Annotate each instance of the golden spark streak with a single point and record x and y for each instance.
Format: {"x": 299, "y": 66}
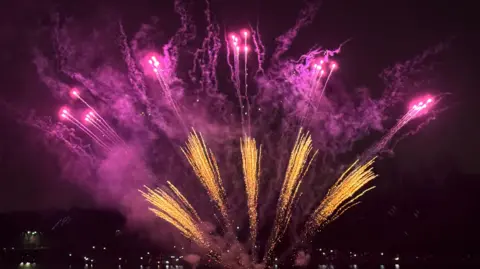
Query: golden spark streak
{"x": 251, "y": 171}
{"x": 298, "y": 166}
{"x": 341, "y": 195}
{"x": 206, "y": 169}
{"x": 171, "y": 206}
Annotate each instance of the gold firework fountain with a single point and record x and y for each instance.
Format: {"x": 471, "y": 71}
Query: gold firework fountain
{"x": 342, "y": 195}
{"x": 206, "y": 169}
{"x": 172, "y": 206}
{"x": 251, "y": 173}
{"x": 298, "y": 165}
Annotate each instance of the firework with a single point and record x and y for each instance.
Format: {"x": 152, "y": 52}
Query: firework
{"x": 66, "y": 115}
{"x": 332, "y": 67}
{"x": 251, "y": 172}
{"x": 298, "y": 165}
{"x": 206, "y": 169}
{"x": 342, "y": 195}
{"x": 285, "y": 87}
{"x": 163, "y": 81}
{"x": 95, "y": 116}
{"x": 235, "y": 77}
{"x": 416, "y": 109}
{"x": 171, "y": 206}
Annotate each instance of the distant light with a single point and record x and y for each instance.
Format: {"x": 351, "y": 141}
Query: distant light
{"x": 141, "y": 258}
{"x": 238, "y": 227}
{"x": 397, "y": 266}
{"x": 70, "y": 254}
{"x": 120, "y": 258}
{"x": 397, "y": 258}
{"x": 104, "y": 248}
{"x": 93, "y": 247}
{"x": 381, "y": 253}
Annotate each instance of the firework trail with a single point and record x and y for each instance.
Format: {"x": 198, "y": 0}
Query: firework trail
{"x": 96, "y": 117}
{"x": 206, "y": 169}
{"x": 171, "y": 206}
{"x": 328, "y": 78}
{"x": 245, "y": 37}
{"x": 235, "y": 76}
{"x": 65, "y": 114}
{"x": 91, "y": 119}
{"x": 164, "y": 83}
{"x": 251, "y": 156}
{"x": 415, "y": 110}
{"x": 341, "y": 195}
{"x": 298, "y": 165}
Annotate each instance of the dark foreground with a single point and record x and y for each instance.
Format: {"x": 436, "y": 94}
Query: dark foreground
{"x": 316, "y": 266}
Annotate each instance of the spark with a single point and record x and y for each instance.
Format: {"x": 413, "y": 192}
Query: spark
{"x": 206, "y": 169}
{"x": 163, "y": 80}
{"x": 251, "y": 171}
{"x": 65, "y": 114}
{"x": 95, "y": 115}
{"x": 332, "y": 68}
{"x": 298, "y": 165}
{"x": 416, "y": 110}
{"x": 342, "y": 195}
{"x": 171, "y": 206}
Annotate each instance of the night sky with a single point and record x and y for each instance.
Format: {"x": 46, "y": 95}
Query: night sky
{"x": 436, "y": 172}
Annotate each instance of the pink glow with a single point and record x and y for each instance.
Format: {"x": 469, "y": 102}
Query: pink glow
{"x": 150, "y": 62}
{"x": 63, "y": 112}
{"x": 422, "y": 103}
{"x": 246, "y": 49}
{"x": 74, "y": 93}
{"x": 245, "y": 33}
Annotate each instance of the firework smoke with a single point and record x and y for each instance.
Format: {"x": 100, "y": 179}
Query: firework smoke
{"x": 125, "y": 120}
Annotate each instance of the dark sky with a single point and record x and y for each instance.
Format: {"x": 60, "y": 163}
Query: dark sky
{"x": 440, "y": 160}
